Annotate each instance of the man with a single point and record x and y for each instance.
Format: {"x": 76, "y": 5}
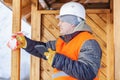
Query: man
{"x": 75, "y": 55}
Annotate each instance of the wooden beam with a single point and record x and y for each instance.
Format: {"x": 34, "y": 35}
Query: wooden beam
{"x": 84, "y": 1}
{"x": 116, "y": 13}
{"x": 26, "y": 10}
{"x": 16, "y": 26}
{"x": 87, "y": 11}
{"x": 94, "y": 1}
{"x": 25, "y": 3}
{"x": 35, "y": 22}
{"x": 8, "y": 1}
{"x": 90, "y": 11}
{"x": 110, "y": 49}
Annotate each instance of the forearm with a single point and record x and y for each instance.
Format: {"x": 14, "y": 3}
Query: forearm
{"x": 73, "y": 68}
{"x": 31, "y": 45}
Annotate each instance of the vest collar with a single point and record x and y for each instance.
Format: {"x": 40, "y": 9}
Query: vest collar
{"x": 69, "y": 37}
{"x": 78, "y": 29}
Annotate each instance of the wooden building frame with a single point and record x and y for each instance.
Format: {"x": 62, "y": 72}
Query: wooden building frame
{"x": 116, "y": 19}
{"x": 113, "y": 68}
{"x": 16, "y": 26}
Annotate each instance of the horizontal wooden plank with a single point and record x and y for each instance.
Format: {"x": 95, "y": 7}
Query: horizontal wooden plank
{"x": 87, "y": 10}
{"x": 94, "y": 11}
{"x": 84, "y": 1}
{"x": 94, "y": 1}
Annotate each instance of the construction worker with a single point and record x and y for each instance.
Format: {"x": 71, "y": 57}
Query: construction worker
{"x": 75, "y": 55}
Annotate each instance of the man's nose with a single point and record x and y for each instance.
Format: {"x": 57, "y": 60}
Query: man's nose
{"x": 59, "y": 24}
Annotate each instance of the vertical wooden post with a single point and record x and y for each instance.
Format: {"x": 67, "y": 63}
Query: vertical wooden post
{"x": 116, "y": 13}
{"x": 110, "y": 48}
{"x": 110, "y": 44}
{"x": 35, "y": 22}
{"x": 16, "y": 26}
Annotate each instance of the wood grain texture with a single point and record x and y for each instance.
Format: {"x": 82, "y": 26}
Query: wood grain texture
{"x": 117, "y": 38}
{"x": 36, "y": 35}
{"x": 16, "y": 27}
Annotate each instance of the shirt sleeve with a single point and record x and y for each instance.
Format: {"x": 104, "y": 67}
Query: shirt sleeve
{"x": 33, "y": 51}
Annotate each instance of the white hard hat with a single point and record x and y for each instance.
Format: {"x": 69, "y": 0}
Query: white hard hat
{"x": 73, "y": 8}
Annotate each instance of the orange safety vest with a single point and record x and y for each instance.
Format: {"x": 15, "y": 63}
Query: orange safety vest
{"x": 71, "y": 50}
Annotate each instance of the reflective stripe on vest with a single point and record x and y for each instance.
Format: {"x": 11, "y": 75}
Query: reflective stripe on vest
{"x": 59, "y": 74}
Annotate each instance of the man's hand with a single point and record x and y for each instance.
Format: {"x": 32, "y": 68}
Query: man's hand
{"x": 50, "y": 55}
{"x": 41, "y": 49}
{"x": 17, "y": 41}
{"x": 46, "y": 54}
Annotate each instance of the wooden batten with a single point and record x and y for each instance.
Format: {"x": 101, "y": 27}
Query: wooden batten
{"x": 16, "y": 27}
{"x": 116, "y": 13}
{"x": 8, "y": 1}
{"x": 94, "y": 1}
{"x": 110, "y": 48}
{"x": 26, "y": 13}
{"x": 87, "y": 11}
{"x": 35, "y": 23}
{"x": 26, "y": 3}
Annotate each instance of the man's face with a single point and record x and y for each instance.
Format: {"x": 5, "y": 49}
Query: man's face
{"x": 65, "y": 28}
